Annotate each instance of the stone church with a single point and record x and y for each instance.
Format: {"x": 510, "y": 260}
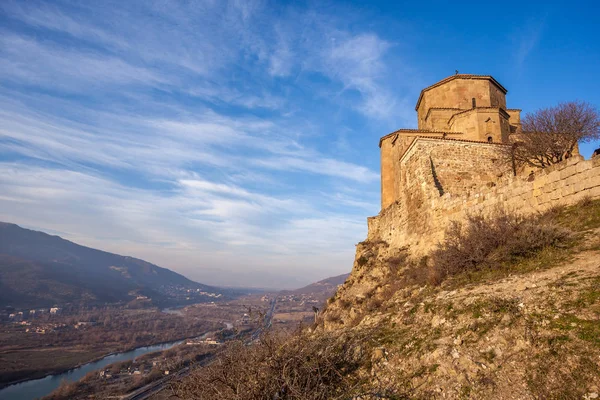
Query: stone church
{"x": 463, "y": 107}
{"x": 453, "y": 166}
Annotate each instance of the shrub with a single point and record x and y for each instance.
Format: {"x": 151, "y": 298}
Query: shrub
{"x": 374, "y": 303}
{"x": 65, "y": 390}
{"x": 300, "y": 366}
{"x": 362, "y": 260}
{"x": 369, "y": 244}
{"x": 488, "y": 242}
{"x": 417, "y": 274}
{"x": 398, "y": 261}
{"x": 344, "y": 304}
{"x": 333, "y": 316}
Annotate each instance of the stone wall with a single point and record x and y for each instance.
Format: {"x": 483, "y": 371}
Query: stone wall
{"x": 515, "y": 120}
{"x": 437, "y": 118}
{"x": 481, "y": 123}
{"x": 455, "y": 93}
{"x": 458, "y": 92}
{"x": 393, "y": 147}
{"x": 497, "y": 98}
{"x": 445, "y": 180}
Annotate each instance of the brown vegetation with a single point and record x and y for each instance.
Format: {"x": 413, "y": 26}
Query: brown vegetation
{"x": 493, "y": 242}
{"x": 551, "y": 134}
{"x": 301, "y": 366}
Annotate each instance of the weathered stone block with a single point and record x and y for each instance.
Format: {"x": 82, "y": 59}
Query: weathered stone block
{"x": 583, "y": 166}
{"x": 593, "y": 192}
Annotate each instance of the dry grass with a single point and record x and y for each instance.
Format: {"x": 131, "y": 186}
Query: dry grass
{"x": 493, "y": 242}
{"x": 484, "y": 248}
{"x": 297, "y": 366}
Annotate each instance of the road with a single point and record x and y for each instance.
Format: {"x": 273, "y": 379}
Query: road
{"x": 152, "y": 388}
{"x": 267, "y": 322}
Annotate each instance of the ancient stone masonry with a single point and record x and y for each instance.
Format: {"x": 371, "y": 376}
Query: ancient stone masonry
{"x": 451, "y": 166}
{"x": 463, "y": 107}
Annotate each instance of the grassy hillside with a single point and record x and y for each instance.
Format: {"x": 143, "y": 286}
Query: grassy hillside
{"x": 505, "y": 308}
{"x": 29, "y": 284}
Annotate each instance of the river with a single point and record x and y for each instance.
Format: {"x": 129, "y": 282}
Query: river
{"x": 36, "y": 388}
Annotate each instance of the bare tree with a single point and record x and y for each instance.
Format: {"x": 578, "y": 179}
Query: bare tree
{"x": 550, "y": 135}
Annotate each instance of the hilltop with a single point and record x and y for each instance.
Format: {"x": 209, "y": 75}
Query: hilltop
{"x": 479, "y": 278}
{"x": 521, "y": 323}
{"x": 324, "y": 287}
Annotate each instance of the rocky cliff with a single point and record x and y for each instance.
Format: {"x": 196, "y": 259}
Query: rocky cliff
{"x": 519, "y": 320}
{"x": 505, "y": 307}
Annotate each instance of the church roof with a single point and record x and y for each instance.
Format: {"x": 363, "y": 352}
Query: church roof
{"x": 460, "y": 76}
{"x": 418, "y": 132}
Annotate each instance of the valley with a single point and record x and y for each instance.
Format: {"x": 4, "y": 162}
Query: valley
{"x": 63, "y": 306}
{"x": 77, "y": 321}
{"x": 42, "y": 344}
{"x": 35, "y": 348}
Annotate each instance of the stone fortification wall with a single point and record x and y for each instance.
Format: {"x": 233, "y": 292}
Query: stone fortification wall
{"x": 439, "y": 167}
{"x": 446, "y": 180}
{"x": 392, "y": 149}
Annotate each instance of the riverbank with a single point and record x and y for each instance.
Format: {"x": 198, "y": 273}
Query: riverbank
{"x": 40, "y": 374}
{"x": 52, "y": 345}
{"x": 63, "y": 370}
{"x": 42, "y": 386}
{"x": 136, "y": 379}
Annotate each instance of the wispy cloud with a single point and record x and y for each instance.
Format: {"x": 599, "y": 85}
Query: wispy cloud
{"x": 527, "y": 38}
{"x": 357, "y": 61}
{"x": 29, "y": 61}
{"x": 197, "y": 135}
{"x": 321, "y": 166}
{"x": 197, "y": 219}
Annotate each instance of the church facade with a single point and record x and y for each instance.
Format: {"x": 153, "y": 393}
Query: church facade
{"x": 463, "y": 107}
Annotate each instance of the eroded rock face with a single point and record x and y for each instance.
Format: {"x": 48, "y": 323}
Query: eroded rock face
{"x": 364, "y": 289}
{"x": 527, "y": 336}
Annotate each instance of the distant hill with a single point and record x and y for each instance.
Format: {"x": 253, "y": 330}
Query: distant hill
{"x": 321, "y": 289}
{"x": 37, "y": 269}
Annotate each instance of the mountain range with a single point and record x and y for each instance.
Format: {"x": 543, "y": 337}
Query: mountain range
{"x": 41, "y": 270}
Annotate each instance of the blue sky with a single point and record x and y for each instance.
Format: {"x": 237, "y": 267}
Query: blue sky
{"x": 236, "y": 142}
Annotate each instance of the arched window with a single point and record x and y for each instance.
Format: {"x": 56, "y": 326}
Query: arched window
{"x": 490, "y": 139}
